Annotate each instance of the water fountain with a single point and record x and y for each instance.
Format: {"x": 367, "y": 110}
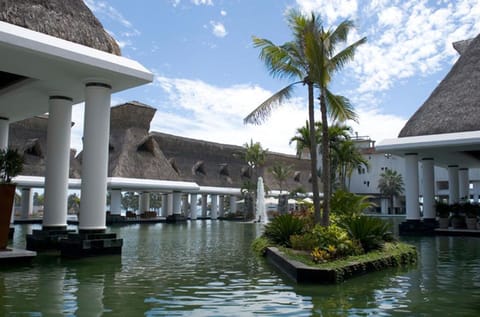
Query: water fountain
{"x": 261, "y": 213}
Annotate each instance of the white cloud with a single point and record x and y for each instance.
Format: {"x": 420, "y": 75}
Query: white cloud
{"x": 218, "y": 29}
{"x": 203, "y": 2}
{"x": 330, "y": 10}
{"x": 223, "y": 13}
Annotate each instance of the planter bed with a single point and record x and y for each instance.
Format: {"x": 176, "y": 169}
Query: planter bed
{"x": 293, "y": 264}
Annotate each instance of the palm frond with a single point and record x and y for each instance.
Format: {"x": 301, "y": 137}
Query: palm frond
{"x": 340, "y": 107}
{"x": 262, "y": 112}
{"x": 347, "y": 54}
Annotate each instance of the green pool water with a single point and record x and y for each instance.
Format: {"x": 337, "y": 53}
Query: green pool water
{"x": 206, "y": 268}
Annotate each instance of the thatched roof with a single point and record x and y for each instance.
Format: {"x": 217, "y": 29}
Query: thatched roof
{"x": 454, "y": 105}
{"x": 222, "y": 165}
{"x": 29, "y": 137}
{"x": 70, "y": 20}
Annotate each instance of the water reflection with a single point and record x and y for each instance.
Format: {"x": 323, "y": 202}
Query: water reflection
{"x": 206, "y": 268}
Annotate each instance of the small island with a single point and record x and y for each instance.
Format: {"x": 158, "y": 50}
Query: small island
{"x": 352, "y": 244}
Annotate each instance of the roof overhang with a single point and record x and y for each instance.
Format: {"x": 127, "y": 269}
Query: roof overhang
{"x": 219, "y": 190}
{"x": 53, "y": 66}
{"x": 138, "y": 184}
{"x": 461, "y": 148}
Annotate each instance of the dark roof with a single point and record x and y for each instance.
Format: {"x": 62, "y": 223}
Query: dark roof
{"x": 454, "y": 105}
{"x": 70, "y": 20}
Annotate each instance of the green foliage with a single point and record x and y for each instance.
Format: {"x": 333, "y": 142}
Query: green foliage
{"x": 371, "y": 232}
{"x": 260, "y": 245}
{"x": 442, "y": 209}
{"x": 11, "y": 164}
{"x": 306, "y": 242}
{"x": 346, "y": 204}
{"x": 282, "y": 227}
{"x": 281, "y": 173}
{"x": 337, "y": 237}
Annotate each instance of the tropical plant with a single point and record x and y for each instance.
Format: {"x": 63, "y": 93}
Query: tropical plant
{"x": 346, "y": 204}
{"x": 11, "y": 164}
{"x": 390, "y": 184}
{"x": 302, "y": 138}
{"x": 442, "y": 209}
{"x": 282, "y": 227}
{"x": 371, "y": 232}
{"x": 281, "y": 173}
{"x": 255, "y": 156}
{"x": 293, "y": 60}
{"x": 345, "y": 159}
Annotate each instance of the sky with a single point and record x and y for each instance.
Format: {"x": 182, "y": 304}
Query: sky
{"x": 208, "y": 75}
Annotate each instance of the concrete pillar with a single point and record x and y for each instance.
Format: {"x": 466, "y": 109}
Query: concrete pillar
{"x": 4, "y": 125}
{"x": 170, "y": 204}
{"x": 164, "y": 205}
{"x": 384, "y": 205}
{"x": 96, "y": 134}
{"x": 233, "y": 204}
{"x": 214, "y": 206}
{"x": 144, "y": 202}
{"x": 176, "y": 200}
{"x": 221, "y": 206}
{"x": 453, "y": 190}
{"x": 27, "y": 203}
{"x": 428, "y": 177}
{"x": 411, "y": 186}
{"x": 116, "y": 202}
{"x": 204, "y": 205}
{"x": 184, "y": 208}
{"x": 58, "y": 162}
{"x": 463, "y": 185}
{"x": 193, "y": 206}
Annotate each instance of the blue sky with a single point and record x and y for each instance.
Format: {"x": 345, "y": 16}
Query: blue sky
{"x": 208, "y": 75}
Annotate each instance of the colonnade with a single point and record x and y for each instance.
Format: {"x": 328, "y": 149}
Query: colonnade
{"x": 176, "y": 203}
{"x": 458, "y": 186}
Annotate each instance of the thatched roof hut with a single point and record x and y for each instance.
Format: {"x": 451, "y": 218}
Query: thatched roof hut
{"x": 70, "y": 20}
{"x": 454, "y": 104}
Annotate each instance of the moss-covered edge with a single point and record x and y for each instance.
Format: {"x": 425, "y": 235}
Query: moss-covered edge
{"x": 302, "y": 269}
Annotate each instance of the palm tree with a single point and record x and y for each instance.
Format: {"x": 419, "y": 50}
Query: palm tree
{"x": 255, "y": 156}
{"x": 390, "y": 184}
{"x": 330, "y": 62}
{"x": 347, "y": 158}
{"x": 281, "y": 173}
{"x": 302, "y": 138}
{"x": 308, "y": 58}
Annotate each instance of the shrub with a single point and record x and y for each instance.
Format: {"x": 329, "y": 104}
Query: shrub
{"x": 335, "y": 237}
{"x": 306, "y": 242}
{"x": 370, "y": 232}
{"x": 346, "y": 204}
{"x": 282, "y": 227}
{"x": 260, "y": 245}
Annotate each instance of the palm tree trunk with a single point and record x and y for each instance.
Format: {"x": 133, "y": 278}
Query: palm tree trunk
{"x": 325, "y": 160}
{"x": 313, "y": 153}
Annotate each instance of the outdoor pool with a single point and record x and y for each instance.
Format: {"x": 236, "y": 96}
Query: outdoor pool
{"x": 206, "y": 268}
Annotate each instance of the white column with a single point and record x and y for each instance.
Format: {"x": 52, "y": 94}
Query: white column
{"x": 95, "y": 156}
{"x": 58, "y": 162}
{"x": 193, "y": 206}
{"x": 214, "y": 205}
{"x": 233, "y": 204}
{"x": 453, "y": 192}
{"x": 428, "y": 177}
{"x": 164, "y": 205}
{"x": 4, "y": 125}
{"x": 184, "y": 205}
{"x": 176, "y": 199}
{"x": 221, "y": 205}
{"x": 27, "y": 202}
{"x": 463, "y": 185}
{"x": 411, "y": 186}
{"x": 204, "y": 205}
{"x": 144, "y": 202}
{"x": 170, "y": 204}
{"x": 384, "y": 206}
{"x": 116, "y": 202}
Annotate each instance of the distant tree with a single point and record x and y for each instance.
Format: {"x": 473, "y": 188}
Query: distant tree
{"x": 347, "y": 158}
{"x": 390, "y": 185}
{"x": 38, "y": 199}
{"x": 130, "y": 201}
{"x": 281, "y": 173}
{"x": 73, "y": 202}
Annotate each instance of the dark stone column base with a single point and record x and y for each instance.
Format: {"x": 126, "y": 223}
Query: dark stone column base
{"x": 424, "y": 227}
{"x": 47, "y": 239}
{"x": 11, "y": 232}
{"x": 88, "y": 243}
{"x": 176, "y": 218}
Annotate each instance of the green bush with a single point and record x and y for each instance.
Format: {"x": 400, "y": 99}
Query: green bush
{"x": 282, "y": 227}
{"x": 370, "y": 232}
{"x": 346, "y": 204}
{"x": 336, "y": 237}
{"x": 306, "y": 242}
{"x": 260, "y": 245}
